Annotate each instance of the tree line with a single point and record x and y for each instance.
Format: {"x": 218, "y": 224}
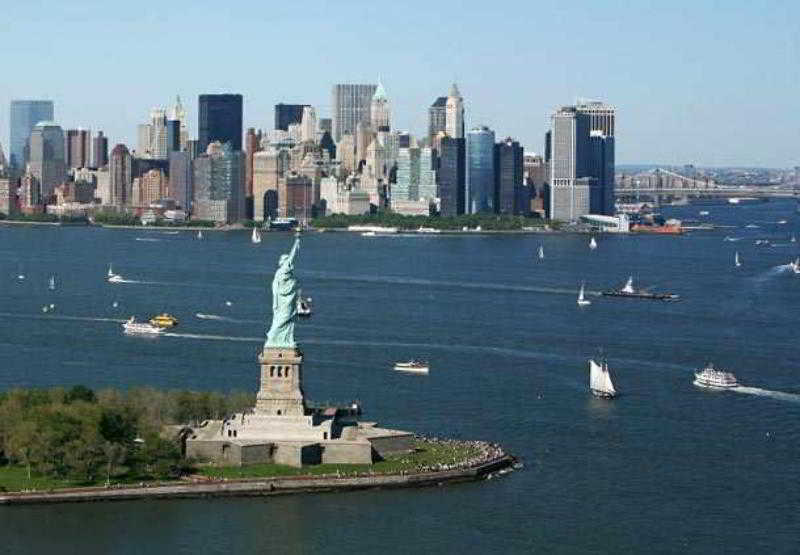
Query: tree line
{"x": 488, "y": 222}
{"x": 90, "y": 436}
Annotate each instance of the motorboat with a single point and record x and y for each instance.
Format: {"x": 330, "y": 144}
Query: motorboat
{"x": 116, "y": 279}
{"x": 712, "y": 378}
{"x": 600, "y": 380}
{"x": 428, "y": 230}
{"x": 628, "y": 291}
{"x": 582, "y": 300}
{"x": 592, "y": 243}
{"x": 413, "y": 366}
{"x": 164, "y": 320}
{"x": 541, "y": 252}
{"x": 144, "y": 328}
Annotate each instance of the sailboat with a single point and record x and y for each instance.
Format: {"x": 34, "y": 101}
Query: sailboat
{"x": 51, "y": 285}
{"x": 628, "y": 288}
{"x": 582, "y": 301}
{"x": 256, "y": 237}
{"x": 793, "y": 239}
{"x": 110, "y": 272}
{"x": 600, "y": 380}
{"x": 199, "y": 234}
{"x": 795, "y": 266}
{"x": 736, "y": 260}
{"x": 541, "y": 252}
{"x": 592, "y": 243}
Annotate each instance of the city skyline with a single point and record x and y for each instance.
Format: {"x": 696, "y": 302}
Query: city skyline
{"x": 677, "y": 98}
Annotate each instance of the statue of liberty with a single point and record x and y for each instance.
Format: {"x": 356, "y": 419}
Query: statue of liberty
{"x": 284, "y": 302}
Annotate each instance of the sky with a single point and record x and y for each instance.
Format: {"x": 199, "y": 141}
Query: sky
{"x": 707, "y": 82}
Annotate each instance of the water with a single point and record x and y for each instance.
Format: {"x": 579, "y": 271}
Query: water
{"x": 666, "y": 467}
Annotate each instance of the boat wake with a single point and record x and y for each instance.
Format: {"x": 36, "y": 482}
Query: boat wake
{"x": 219, "y": 318}
{"x": 148, "y": 239}
{"x": 213, "y": 337}
{"x": 62, "y": 317}
{"x": 732, "y": 239}
{"x": 779, "y": 395}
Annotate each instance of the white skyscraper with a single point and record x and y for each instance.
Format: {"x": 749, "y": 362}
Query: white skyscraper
{"x": 308, "y": 126}
{"x": 380, "y": 110}
{"x": 178, "y": 112}
{"x": 158, "y": 133}
{"x": 454, "y": 114}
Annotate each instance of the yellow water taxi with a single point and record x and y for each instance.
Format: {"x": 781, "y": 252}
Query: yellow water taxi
{"x": 164, "y": 320}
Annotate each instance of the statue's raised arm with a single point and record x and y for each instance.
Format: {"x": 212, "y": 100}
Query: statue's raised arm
{"x": 295, "y": 250}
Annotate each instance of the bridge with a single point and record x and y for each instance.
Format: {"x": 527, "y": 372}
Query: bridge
{"x": 666, "y": 183}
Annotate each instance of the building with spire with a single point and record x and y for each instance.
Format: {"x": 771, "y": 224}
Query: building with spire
{"x": 178, "y": 113}
{"x": 454, "y": 114}
{"x": 380, "y": 110}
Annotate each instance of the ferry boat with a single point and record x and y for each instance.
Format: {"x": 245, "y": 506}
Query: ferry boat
{"x": 414, "y": 366}
{"x": 714, "y": 379}
{"x": 134, "y": 327}
{"x": 303, "y": 306}
{"x": 164, "y": 320}
{"x": 629, "y": 291}
{"x": 600, "y": 380}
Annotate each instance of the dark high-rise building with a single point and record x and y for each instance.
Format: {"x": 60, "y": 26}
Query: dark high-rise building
{"x": 173, "y": 135}
{"x": 437, "y": 117}
{"x": 220, "y": 119}
{"x": 509, "y": 190}
{"x": 287, "y": 114}
{"x": 451, "y": 176}
{"x": 180, "y": 179}
{"x": 600, "y": 160}
{"x": 100, "y": 150}
{"x": 548, "y": 146}
{"x": 77, "y": 148}
{"x": 25, "y": 114}
{"x": 480, "y": 170}
{"x": 326, "y": 143}
{"x": 403, "y": 140}
{"x": 120, "y": 175}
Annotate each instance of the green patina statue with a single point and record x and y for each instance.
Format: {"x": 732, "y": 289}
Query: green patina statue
{"x": 284, "y": 302}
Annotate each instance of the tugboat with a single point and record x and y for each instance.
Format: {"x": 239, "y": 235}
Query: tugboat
{"x": 140, "y": 328}
{"x": 714, "y": 379}
{"x": 628, "y": 291}
{"x": 413, "y": 366}
{"x": 164, "y": 320}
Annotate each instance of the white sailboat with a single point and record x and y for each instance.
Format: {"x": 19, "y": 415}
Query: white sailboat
{"x": 110, "y": 272}
{"x": 199, "y": 234}
{"x": 51, "y": 284}
{"x": 795, "y": 265}
{"x": 592, "y": 243}
{"x": 582, "y": 301}
{"x": 256, "y": 236}
{"x": 541, "y": 252}
{"x": 600, "y": 380}
{"x": 628, "y": 286}
{"x": 736, "y": 260}
{"x": 793, "y": 239}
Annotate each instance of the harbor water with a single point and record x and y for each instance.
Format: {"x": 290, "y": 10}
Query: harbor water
{"x": 665, "y": 467}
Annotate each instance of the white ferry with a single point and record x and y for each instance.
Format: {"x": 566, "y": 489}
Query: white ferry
{"x": 714, "y": 379}
{"x": 134, "y": 327}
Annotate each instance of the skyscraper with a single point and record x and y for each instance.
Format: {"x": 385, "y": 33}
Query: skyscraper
{"x": 120, "y": 168}
{"x": 100, "y": 150}
{"x": 220, "y": 119}
{"x": 602, "y": 121}
{"x": 509, "y": 190}
{"x": 178, "y": 113}
{"x": 450, "y": 176}
{"x": 219, "y": 184}
{"x": 287, "y": 114}
{"x": 569, "y": 195}
{"x": 380, "y": 110}
{"x": 406, "y": 186}
{"x": 454, "y": 113}
{"x": 25, "y": 114}
{"x": 427, "y": 175}
{"x": 158, "y": 133}
{"x": 351, "y": 105}
{"x": 173, "y": 139}
{"x": 480, "y": 170}
{"x": 77, "y": 146}
{"x": 47, "y": 160}
{"x": 308, "y": 125}
{"x": 437, "y": 118}
{"x": 180, "y": 179}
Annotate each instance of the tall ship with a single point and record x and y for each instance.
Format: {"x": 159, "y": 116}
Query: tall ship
{"x": 600, "y": 380}
{"x": 629, "y": 291}
{"x": 712, "y": 378}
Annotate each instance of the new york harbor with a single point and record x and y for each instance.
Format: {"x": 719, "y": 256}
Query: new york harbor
{"x": 399, "y": 278}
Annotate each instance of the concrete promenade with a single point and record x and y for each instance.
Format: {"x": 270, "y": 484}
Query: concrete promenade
{"x": 262, "y": 486}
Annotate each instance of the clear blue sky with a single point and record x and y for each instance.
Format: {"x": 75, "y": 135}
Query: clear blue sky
{"x": 705, "y": 82}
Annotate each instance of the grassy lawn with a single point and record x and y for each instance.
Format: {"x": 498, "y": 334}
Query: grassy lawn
{"x": 15, "y": 478}
{"x": 427, "y": 454}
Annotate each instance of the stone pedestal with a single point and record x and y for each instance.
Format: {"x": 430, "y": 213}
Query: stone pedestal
{"x": 281, "y": 391}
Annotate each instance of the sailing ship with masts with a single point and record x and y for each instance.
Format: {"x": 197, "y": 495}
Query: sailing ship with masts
{"x": 600, "y": 380}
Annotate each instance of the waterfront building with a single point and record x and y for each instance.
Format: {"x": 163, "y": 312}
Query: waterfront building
{"x": 350, "y": 104}
{"x": 47, "y": 160}
{"x": 120, "y": 169}
{"x": 295, "y": 196}
{"x": 510, "y": 194}
{"x": 180, "y": 179}
{"x": 308, "y": 125}
{"x": 149, "y": 188}
{"x": 427, "y": 174}
{"x": 569, "y": 194}
{"x": 480, "y": 170}
{"x": 30, "y": 194}
{"x": 25, "y": 114}
{"x": 252, "y": 144}
{"x": 406, "y": 186}
{"x": 380, "y": 110}
{"x": 344, "y": 197}
{"x": 454, "y": 113}
{"x": 451, "y": 176}
{"x": 437, "y": 118}
{"x": 286, "y": 114}
{"x": 8, "y": 195}
{"x": 220, "y": 119}
{"x": 218, "y": 178}
{"x": 99, "y": 151}
{"x": 601, "y": 163}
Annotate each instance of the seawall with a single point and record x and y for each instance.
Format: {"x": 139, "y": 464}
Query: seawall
{"x": 262, "y": 486}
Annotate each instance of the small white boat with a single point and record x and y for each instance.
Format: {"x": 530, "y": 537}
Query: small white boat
{"x": 255, "y": 238}
{"x": 199, "y": 234}
{"x": 115, "y": 304}
{"x": 541, "y": 252}
{"x": 714, "y": 379}
{"x": 782, "y": 222}
{"x": 736, "y": 260}
{"x": 428, "y": 230}
{"x": 793, "y": 239}
{"x": 794, "y": 266}
{"x": 704, "y": 212}
{"x": 116, "y": 279}
{"x": 51, "y": 284}
{"x": 228, "y": 303}
{"x": 600, "y": 380}
{"x": 413, "y": 366}
{"x": 303, "y": 305}
{"x": 582, "y": 301}
{"x": 368, "y": 234}
{"x": 752, "y": 226}
{"x": 146, "y": 328}
{"x": 628, "y": 288}
{"x": 592, "y": 243}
